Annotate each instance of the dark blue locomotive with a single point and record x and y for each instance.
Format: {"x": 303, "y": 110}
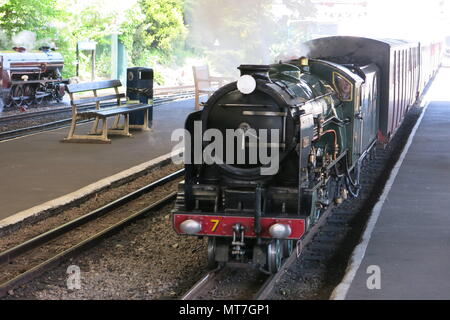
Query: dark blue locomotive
{"x": 30, "y": 77}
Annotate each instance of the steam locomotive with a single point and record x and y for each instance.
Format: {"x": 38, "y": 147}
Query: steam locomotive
{"x": 325, "y": 114}
{"x": 30, "y": 77}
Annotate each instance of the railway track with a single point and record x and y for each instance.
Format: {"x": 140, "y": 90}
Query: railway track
{"x": 245, "y": 281}
{"x": 41, "y": 253}
{"x": 12, "y": 134}
{"x": 28, "y": 115}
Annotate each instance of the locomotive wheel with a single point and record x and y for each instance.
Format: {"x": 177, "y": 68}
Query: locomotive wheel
{"x": 28, "y": 91}
{"x": 212, "y": 263}
{"x": 39, "y": 90}
{"x": 316, "y": 215}
{"x": 288, "y": 248}
{"x": 17, "y": 92}
{"x": 8, "y": 102}
{"x": 274, "y": 256}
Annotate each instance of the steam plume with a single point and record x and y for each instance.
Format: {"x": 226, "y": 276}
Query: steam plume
{"x": 25, "y": 39}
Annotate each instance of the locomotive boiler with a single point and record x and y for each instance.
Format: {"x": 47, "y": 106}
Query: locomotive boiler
{"x": 30, "y": 77}
{"x": 317, "y": 119}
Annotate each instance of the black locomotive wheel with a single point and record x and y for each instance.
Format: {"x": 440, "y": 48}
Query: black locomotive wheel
{"x": 288, "y": 248}
{"x": 17, "y": 95}
{"x": 39, "y": 95}
{"x": 8, "y": 102}
{"x": 28, "y": 92}
{"x": 274, "y": 256}
{"x": 212, "y": 263}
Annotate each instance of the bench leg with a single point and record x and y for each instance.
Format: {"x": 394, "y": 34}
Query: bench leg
{"x": 116, "y": 122}
{"x": 126, "y": 127}
{"x": 104, "y": 130}
{"x": 122, "y": 130}
{"x": 95, "y": 126}
{"x": 73, "y": 124}
{"x": 78, "y": 138}
{"x": 95, "y": 130}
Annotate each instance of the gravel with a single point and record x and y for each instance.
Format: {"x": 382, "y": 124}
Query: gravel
{"x": 10, "y": 125}
{"x": 147, "y": 260}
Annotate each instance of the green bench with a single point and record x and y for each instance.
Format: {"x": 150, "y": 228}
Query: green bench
{"x": 102, "y": 112}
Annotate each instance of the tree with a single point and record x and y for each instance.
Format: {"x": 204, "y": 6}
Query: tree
{"x": 152, "y": 29}
{"x": 32, "y": 15}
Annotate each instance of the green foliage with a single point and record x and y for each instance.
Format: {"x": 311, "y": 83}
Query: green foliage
{"x": 62, "y": 23}
{"x": 88, "y": 23}
{"x": 34, "y": 15}
{"x": 103, "y": 60}
{"x": 158, "y": 77}
{"x": 152, "y": 30}
{"x": 163, "y": 22}
{"x": 91, "y": 22}
{"x": 161, "y": 32}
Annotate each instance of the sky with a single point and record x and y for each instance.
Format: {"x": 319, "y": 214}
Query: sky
{"x": 405, "y": 19}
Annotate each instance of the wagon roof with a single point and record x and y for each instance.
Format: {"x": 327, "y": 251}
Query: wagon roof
{"x": 386, "y": 41}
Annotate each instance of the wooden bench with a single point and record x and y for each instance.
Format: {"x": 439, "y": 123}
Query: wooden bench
{"x": 117, "y": 110}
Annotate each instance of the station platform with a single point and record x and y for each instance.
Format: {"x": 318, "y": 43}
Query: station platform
{"x": 39, "y": 168}
{"x": 404, "y": 253}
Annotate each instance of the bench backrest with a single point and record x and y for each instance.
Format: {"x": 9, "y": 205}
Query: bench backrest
{"x": 201, "y": 77}
{"x": 94, "y": 87}
{"x": 98, "y": 85}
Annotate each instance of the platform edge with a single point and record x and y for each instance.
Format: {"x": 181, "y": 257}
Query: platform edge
{"x": 35, "y": 211}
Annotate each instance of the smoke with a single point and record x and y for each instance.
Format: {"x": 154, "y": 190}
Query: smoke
{"x": 236, "y": 32}
{"x": 25, "y": 39}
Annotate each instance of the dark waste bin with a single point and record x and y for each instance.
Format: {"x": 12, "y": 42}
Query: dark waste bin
{"x": 140, "y": 90}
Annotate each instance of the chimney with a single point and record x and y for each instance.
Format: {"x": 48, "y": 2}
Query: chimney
{"x": 257, "y": 71}
{"x": 45, "y": 49}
